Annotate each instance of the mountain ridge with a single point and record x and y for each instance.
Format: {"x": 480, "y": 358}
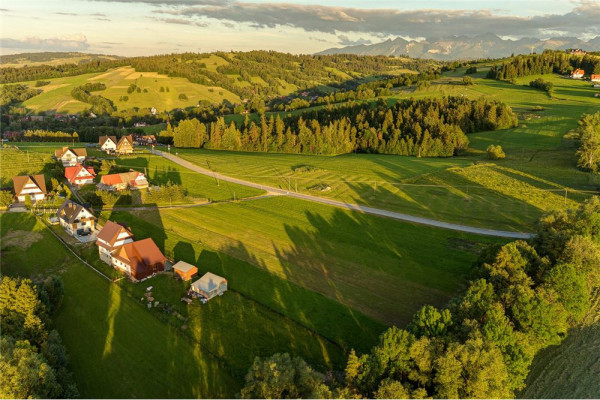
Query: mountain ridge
{"x": 486, "y": 45}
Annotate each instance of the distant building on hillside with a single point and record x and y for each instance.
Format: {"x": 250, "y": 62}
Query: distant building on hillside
{"x": 595, "y": 78}
{"x": 153, "y": 111}
{"x": 33, "y": 186}
{"x": 578, "y": 74}
{"x": 578, "y": 52}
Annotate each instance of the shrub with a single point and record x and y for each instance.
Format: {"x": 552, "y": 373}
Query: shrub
{"x": 495, "y": 152}
{"x": 182, "y": 96}
{"x": 467, "y": 80}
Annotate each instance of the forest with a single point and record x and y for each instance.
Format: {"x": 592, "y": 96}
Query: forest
{"x": 522, "y": 298}
{"x": 423, "y": 128}
{"x": 548, "y": 62}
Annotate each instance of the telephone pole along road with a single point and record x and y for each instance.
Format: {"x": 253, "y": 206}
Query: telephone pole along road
{"x": 347, "y": 206}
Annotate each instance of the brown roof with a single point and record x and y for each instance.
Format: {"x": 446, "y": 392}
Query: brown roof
{"x": 142, "y": 256}
{"x": 20, "y": 181}
{"x": 110, "y": 232}
{"x": 69, "y": 211}
{"x": 127, "y": 138}
{"x": 81, "y": 152}
{"x": 103, "y": 139}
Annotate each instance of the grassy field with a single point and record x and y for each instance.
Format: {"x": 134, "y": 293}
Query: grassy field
{"x": 56, "y": 96}
{"x": 470, "y": 189}
{"x": 109, "y": 337}
{"x": 383, "y": 268}
{"x": 571, "y": 369}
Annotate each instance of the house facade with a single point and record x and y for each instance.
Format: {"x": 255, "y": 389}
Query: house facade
{"x": 108, "y": 144}
{"x": 578, "y": 73}
{"x": 33, "y": 186}
{"x": 140, "y": 259}
{"x": 110, "y": 238}
{"x": 80, "y": 175}
{"x": 595, "y": 78}
{"x": 125, "y": 180}
{"x": 76, "y": 219}
{"x": 125, "y": 145}
{"x": 69, "y": 157}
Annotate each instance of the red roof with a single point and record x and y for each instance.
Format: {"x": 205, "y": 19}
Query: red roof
{"x": 578, "y": 71}
{"x": 113, "y": 179}
{"x": 71, "y": 172}
{"x": 143, "y": 256}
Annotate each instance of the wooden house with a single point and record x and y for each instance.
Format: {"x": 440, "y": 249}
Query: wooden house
{"x": 210, "y": 285}
{"x": 33, "y": 186}
{"x": 125, "y": 145}
{"x": 80, "y": 175}
{"x": 76, "y": 219}
{"x": 140, "y": 259}
{"x": 110, "y": 238}
{"x": 69, "y": 157}
{"x": 108, "y": 144}
{"x": 185, "y": 271}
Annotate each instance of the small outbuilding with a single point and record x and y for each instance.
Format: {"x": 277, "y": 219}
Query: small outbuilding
{"x": 185, "y": 271}
{"x": 210, "y": 285}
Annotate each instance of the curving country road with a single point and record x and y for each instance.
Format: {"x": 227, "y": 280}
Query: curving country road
{"x": 347, "y": 206}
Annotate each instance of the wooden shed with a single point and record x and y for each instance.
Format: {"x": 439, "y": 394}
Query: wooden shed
{"x": 185, "y": 271}
{"x": 210, "y": 285}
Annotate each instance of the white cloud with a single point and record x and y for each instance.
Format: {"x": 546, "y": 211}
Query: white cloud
{"x": 76, "y": 42}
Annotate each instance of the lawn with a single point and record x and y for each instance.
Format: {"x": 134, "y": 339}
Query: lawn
{"x": 380, "y": 267}
{"x": 117, "y": 348}
{"x": 469, "y": 189}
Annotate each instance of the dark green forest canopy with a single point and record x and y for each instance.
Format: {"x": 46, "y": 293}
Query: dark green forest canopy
{"x": 425, "y": 128}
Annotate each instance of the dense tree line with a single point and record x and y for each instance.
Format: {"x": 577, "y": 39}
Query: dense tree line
{"x": 32, "y": 73}
{"x": 33, "y": 360}
{"x": 39, "y": 135}
{"x": 100, "y": 105}
{"x": 548, "y": 62}
{"x": 589, "y": 142}
{"x": 18, "y": 93}
{"x": 424, "y": 128}
{"x": 522, "y": 298}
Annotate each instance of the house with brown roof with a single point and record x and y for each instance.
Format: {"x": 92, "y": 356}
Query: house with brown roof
{"x": 33, "y": 186}
{"x": 578, "y": 74}
{"x": 80, "y": 175}
{"x": 124, "y": 180}
{"x": 108, "y": 143}
{"x": 76, "y": 220}
{"x": 110, "y": 238}
{"x": 69, "y": 157}
{"x": 140, "y": 259}
{"x": 125, "y": 145}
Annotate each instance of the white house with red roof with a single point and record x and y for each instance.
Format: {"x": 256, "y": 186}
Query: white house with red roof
{"x": 578, "y": 73}
{"x": 80, "y": 175}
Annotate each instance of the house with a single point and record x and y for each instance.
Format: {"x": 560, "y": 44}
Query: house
{"x": 144, "y": 140}
{"x": 33, "y": 186}
{"x": 124, "y": 180}
{"x": 76, "y": 219}
{"x": 210, "y": 285}
{"x": 140, "y": 124}
{"x": 140, "y": 259}
{"x": 578, "y": 52}
{"x": 125, "y": 145}
{"x": 69, "y": 157}
{"x": 185, "y": 271}
{"x": 110, "y": 238}
{"x": 108, "y": 143}
{"x": 578, "y": 73}
{"x": 595, "y": 78}
{"x": 80, "y": 175}
{"x": 153, "y": 111}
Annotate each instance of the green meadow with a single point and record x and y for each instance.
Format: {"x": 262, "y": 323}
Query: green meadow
{"x": 57, "y": 97}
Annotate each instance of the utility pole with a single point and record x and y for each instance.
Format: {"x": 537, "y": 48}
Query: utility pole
{"x": 296, "y": 185}
{"x": 289, "y": 185}
{"x": 566, "y": 191}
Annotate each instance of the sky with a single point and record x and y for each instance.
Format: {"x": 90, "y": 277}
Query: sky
{"x": 146, "y": 27}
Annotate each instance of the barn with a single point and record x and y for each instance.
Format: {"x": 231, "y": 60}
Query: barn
{"x": 185, "y": 271}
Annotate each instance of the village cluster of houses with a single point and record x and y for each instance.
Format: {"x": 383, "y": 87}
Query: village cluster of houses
{"x": 580, "y": 74}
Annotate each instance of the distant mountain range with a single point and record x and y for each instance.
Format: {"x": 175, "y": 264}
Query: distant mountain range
{"x": 464, "y": 47}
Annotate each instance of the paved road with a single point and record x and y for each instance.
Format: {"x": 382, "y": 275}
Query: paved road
{"x": 347, "y": 206}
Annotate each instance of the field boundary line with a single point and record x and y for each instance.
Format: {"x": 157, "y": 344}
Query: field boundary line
{"x": 349, "y": 206}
